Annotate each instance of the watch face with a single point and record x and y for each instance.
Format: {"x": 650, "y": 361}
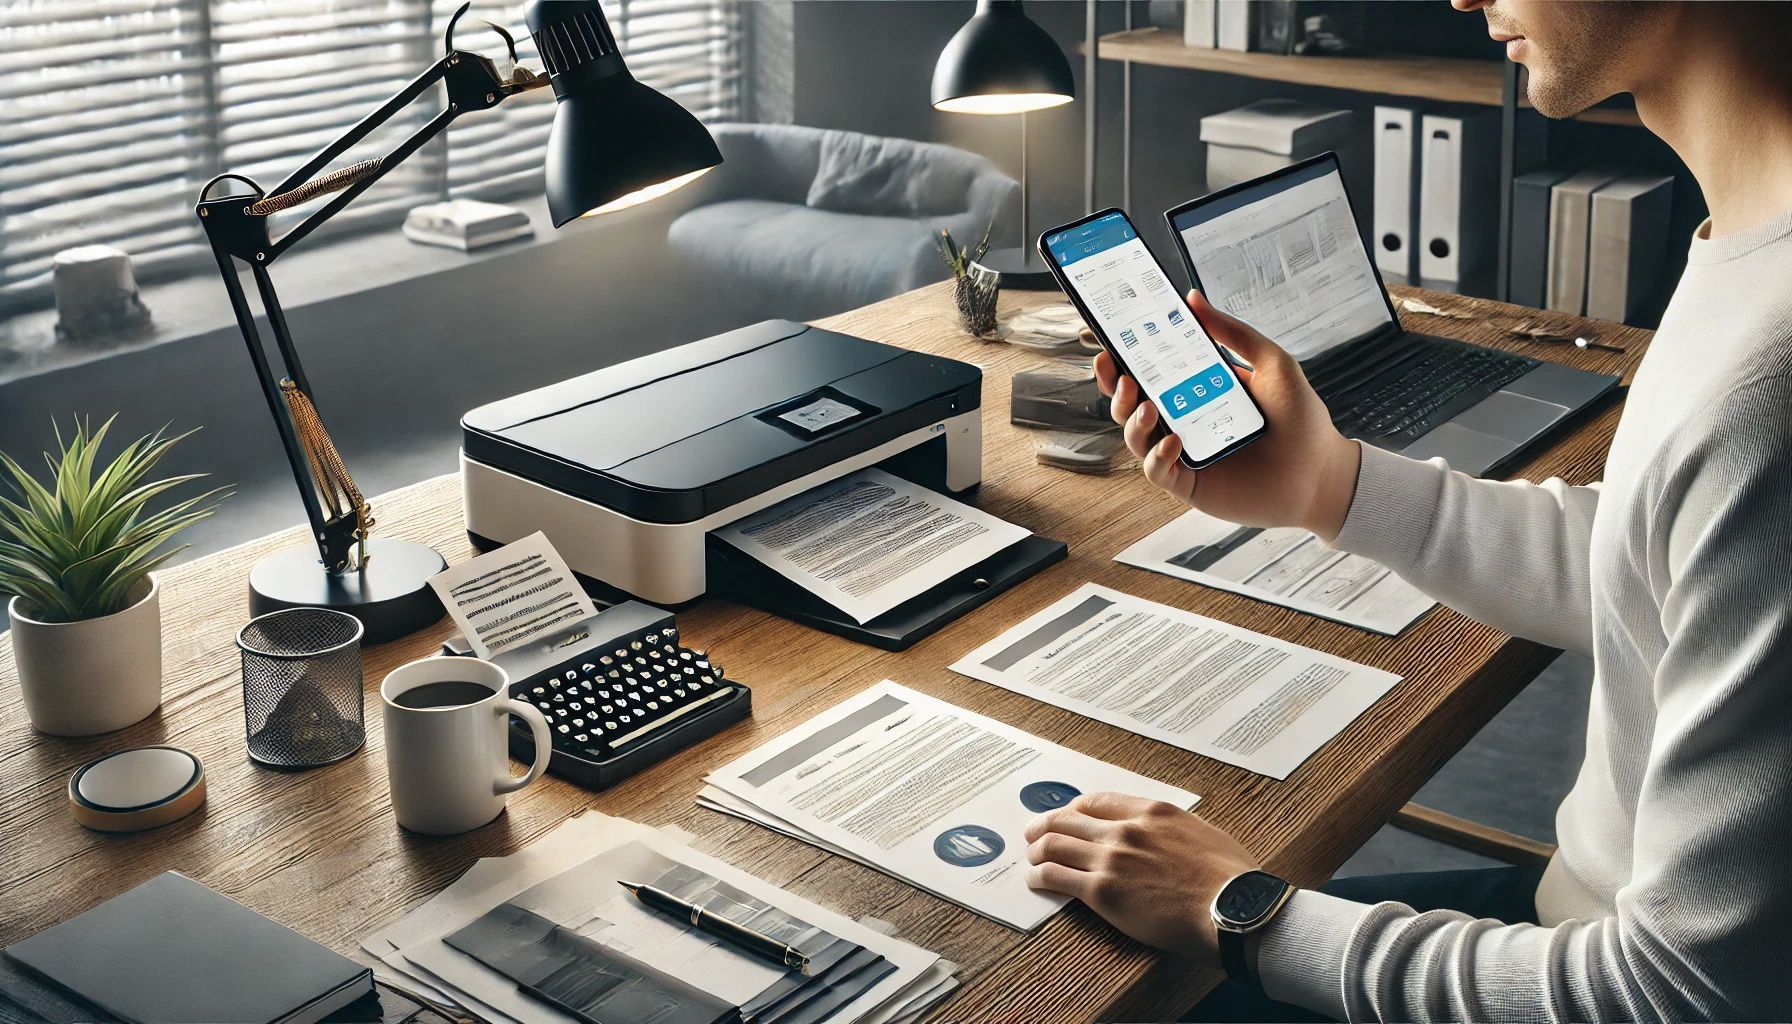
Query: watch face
{"x": 1248, "y": 897}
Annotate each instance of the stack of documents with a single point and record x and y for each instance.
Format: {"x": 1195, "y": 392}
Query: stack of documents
{"x": 548, "y": 935}
{"x": 927, "y": 792}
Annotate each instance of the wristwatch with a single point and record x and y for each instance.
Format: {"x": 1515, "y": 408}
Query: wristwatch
{"x": 1245, "y": 904}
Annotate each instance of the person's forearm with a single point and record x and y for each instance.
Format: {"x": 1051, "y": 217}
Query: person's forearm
{"x": 1352, "y": 961}
{"x": 1334, "y": 490}
{"x": 1515, "y": 555}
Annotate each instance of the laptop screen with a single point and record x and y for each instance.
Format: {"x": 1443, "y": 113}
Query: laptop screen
{"x": 1285, "y": 256}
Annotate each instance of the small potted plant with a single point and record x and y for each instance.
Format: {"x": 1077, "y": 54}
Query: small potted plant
{"x": 77, "y": 553}
{"x": 975, "y": 286}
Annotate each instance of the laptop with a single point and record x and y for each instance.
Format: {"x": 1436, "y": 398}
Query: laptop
{"x": 1283, "y": 253}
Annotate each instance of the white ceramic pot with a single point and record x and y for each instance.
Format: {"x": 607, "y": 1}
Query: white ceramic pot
{"x": 93, "y": 676}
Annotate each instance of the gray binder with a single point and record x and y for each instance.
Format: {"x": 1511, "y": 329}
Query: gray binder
{"x": 1570, "y": 210}
{"x": 1530, "y": 235}
{"x": 1627, "y": 244}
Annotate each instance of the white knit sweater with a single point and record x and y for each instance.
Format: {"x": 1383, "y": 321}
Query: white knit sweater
{"x": 1671, "y": 896}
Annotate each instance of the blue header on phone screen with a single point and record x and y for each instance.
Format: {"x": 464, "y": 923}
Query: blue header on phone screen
{"x": 1086, "y": 240}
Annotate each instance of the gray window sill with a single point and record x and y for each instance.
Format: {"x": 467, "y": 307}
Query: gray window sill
{"x": 196, "y": 304}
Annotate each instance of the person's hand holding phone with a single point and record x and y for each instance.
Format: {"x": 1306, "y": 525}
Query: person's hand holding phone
{"x": 1302, "y": 472}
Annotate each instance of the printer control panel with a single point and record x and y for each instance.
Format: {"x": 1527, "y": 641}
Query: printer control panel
{"x": 817, "y": 413}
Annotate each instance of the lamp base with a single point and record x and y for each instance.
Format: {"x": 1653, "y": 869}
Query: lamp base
{"x": 391, "y": 594}
{"x": 1021, "y": 269}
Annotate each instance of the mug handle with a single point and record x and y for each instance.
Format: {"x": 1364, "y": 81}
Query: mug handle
{"x": 544, "y": 749}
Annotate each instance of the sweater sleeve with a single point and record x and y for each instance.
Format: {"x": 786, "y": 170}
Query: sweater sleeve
{"x": 1698, "y": 932}
{"x": 1514, "y": 555}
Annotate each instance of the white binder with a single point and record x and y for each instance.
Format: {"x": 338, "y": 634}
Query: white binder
{"x": 1570, "y": 210}
{"x": 1235, "y": 24}
{"x": 1198, "y": 24}
{"x": 1395, "y": 217}
{"x": 1459, "y": 200}
{"x": 1627, "y": 244}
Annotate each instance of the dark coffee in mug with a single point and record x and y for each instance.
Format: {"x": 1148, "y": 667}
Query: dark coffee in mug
{"x": 449, "y": 693}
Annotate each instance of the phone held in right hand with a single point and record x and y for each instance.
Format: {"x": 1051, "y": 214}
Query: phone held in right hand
{"x": 1127, "y": 300}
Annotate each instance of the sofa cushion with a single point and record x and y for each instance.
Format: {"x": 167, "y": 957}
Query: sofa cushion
{"x": 886, "y": 177}
{"x": 796, "y": 254}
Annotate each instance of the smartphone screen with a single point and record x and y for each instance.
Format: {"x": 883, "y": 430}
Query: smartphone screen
{"x": 1129, "y": 302}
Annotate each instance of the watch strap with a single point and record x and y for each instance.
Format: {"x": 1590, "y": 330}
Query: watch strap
{"x": 1236, "y": 959}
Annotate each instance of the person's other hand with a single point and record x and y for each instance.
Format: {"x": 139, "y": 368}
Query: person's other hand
{"x": 1301, "y": 473}
{"x": 1150, "y": 868}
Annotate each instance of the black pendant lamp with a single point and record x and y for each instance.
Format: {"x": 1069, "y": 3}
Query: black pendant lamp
{"x": 1001, "y": 62}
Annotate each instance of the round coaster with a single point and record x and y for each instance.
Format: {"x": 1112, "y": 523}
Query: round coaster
{"x": 138, "y": 789}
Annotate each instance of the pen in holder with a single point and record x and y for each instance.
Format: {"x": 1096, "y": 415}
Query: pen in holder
{"x": 302, "y": 704}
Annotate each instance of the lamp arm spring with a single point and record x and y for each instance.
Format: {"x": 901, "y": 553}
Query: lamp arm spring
{"x": 335, "y": 181}
{"x": 329, "y": 473}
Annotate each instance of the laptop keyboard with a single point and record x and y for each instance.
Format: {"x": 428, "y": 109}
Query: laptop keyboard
{"x": 1404, "y": 392}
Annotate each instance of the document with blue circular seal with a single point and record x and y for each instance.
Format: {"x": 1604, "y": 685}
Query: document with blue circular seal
{"x": 922, "y": 790}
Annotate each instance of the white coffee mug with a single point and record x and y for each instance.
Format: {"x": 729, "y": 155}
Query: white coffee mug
{"x": 449, "y": 767}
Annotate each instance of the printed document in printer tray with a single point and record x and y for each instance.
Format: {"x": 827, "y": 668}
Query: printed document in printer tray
{"x": 869, "y": 541}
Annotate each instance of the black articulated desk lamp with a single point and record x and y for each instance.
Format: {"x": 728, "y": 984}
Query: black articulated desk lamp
{"x": 1001, "y": 62}
{"x": 614, "y": 143}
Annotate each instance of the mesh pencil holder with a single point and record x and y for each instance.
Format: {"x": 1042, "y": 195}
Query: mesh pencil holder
{"x": 302, "y": 702}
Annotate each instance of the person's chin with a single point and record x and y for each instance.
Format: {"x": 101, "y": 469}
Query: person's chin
{"x": 1556, "y": 104}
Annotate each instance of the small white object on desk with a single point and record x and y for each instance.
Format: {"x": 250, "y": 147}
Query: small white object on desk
{"x": 134, "y": 790}
{"x": 466, "y": 224}
{"x": 1097, "y": 453}
{"x": 1054, "y": 330}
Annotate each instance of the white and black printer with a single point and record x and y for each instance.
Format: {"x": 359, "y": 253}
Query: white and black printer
{"x": 629, "y": 469}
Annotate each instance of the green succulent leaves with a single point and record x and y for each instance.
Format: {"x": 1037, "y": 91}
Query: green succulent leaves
{"x": 74, "y": 548}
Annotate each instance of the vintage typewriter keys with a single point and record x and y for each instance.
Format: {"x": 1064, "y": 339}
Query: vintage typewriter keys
{"x": 626, "y": 696}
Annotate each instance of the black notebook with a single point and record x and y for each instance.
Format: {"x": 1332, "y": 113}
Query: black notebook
{"x": 172, "y": 951}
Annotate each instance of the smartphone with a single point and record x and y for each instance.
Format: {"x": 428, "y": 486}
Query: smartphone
{"x": 1126, "y": 298}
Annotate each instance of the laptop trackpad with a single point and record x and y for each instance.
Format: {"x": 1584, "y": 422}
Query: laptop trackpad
{"x": 1467, "y": 450}
{"x": 1512, "y": 416}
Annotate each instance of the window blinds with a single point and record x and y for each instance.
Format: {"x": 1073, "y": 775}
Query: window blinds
{"x": 114, "y": 112}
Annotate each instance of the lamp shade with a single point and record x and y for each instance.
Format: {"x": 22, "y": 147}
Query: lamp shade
{"x": 1000, "y": 62}
{"x": 615, "y": 142}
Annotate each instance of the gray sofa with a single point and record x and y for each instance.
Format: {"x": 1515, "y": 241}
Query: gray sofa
{"x": 803, "y": 222}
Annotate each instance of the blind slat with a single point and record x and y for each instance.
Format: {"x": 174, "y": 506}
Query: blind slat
{"x": 113, "y": 112}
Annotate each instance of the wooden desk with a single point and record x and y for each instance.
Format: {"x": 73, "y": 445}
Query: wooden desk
{"x": 319, "y": 850}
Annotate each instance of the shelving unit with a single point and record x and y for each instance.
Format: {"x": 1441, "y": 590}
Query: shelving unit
{"x": 1444, "y": 79}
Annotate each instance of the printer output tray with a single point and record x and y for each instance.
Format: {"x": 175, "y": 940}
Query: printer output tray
{"x": 738, "y": 577}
